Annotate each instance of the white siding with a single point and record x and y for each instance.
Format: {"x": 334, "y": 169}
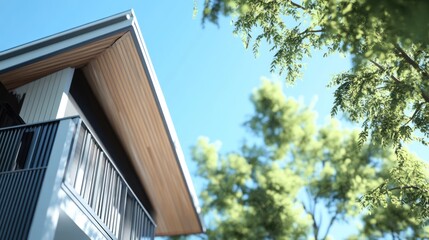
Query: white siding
{"x": 46, "y": 98}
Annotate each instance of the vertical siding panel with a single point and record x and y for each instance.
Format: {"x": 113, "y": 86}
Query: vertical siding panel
{"x": 55, "y": 99}
{"x": 52, "y": 102}
{"x": 48, "y": 90}
{"x": 34, "y": 99}
{"x": 40, "y": 88}
{"x": 43, "y": 96}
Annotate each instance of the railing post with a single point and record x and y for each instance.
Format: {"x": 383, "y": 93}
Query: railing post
{"x": 48, "y": 205}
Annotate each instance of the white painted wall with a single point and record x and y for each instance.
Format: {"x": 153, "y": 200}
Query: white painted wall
{"x": 47, "y": 98}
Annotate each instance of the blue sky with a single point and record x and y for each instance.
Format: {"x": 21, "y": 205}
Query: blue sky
{"x": 205, "y": 73}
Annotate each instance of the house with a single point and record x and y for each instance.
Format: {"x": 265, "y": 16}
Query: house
{"x": 87, "y": 146}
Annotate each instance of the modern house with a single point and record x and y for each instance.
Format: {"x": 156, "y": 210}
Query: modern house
{"x": 87, "y": 146}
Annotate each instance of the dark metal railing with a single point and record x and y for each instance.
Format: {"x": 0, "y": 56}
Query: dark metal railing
{"x": 18, "y": 197}
{"x": 26, "y": 146}
{"x": 24, "y": 154}
{"x": 93, "y": 176}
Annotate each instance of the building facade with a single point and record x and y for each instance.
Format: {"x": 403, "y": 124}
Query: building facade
{"x": 87, "y": 146}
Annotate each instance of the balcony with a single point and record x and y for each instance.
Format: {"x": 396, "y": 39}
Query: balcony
{"x": 34, "y": 157}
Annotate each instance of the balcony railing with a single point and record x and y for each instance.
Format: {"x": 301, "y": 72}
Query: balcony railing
{"x": 91, "y": 177}
{"x": 24, "y": 154}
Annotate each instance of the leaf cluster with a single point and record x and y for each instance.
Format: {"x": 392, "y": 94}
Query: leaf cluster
{"x": 404, "y": 187}
{"x": 278, "y": 187}
{"x": 388, "y": 88}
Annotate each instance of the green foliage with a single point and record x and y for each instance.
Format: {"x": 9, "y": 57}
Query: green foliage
{"x": 299, "y": 176}
{"x": 380, "y": 225}
{"x": 405, "y": 186}
{"x": 388, "y": 88}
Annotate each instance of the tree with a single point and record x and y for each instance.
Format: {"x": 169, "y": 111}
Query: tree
{"x": 297, "y": 180}
{"x": 387, "y": 90}
{"x": 380, "y": 225}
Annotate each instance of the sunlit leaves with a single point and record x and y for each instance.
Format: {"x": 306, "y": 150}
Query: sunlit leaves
{"x": 276, "y": 119}
{"x": 278, "y": 187}
{"x": 388, "y": 88}
{"x": 405, "y": 186}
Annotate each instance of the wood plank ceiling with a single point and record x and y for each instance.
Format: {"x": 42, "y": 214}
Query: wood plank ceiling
{"x": 75, "y": 58}
{"x": 119, "y": 82}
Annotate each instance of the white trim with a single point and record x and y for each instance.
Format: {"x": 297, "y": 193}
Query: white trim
{"x": 67, "y": 78}
{"x": 63, "y": 105}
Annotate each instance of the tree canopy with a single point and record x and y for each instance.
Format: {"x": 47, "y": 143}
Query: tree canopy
{"x": 296, "y": 180}
{"x": 387, "y": 91}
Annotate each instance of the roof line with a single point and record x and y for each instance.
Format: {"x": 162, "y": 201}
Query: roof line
{"x": 166, "y": 118}
{"x": 65, "y": 49}
{"x": 58, "y": 42}
{"x": 70, "y": 33}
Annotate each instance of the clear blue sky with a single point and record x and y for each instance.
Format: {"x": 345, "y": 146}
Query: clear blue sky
{"x": 205, "y": 73}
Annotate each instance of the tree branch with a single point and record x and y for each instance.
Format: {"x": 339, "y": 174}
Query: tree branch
{"x": 311, "y": 31}
{"x": 315, "y": 227}
{"x": 308, "y": 31}
{"x": 404, "y": 187}
{"x": 297, "y": 5}
{"x": 373, "y": 191}
{"x": 416, "y": 66}
{"x": 309, "y": 198}
{"x": 331, "y": 222}
{"x": 384, "y": 70}
{"x": 311, "y": 212}
{"x": 413, "y": 63}
{"x": 424, "y": 95}
{"x": 419, "y": 106}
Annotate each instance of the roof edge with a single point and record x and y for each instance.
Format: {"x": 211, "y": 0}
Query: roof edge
{"x": 42, "y": 47}
{"x": 168, "y": 122}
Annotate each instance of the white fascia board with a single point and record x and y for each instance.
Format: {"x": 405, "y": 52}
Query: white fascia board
{"x": 64, "y": 40}
{"x": 166, "y": 115}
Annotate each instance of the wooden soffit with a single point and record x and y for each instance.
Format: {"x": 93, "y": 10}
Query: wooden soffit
{"x": 74, "y": 57}
{"x": 121, "y": 84}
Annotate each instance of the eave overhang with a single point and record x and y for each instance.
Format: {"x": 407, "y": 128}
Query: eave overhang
{"x": 116, "y": 63}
